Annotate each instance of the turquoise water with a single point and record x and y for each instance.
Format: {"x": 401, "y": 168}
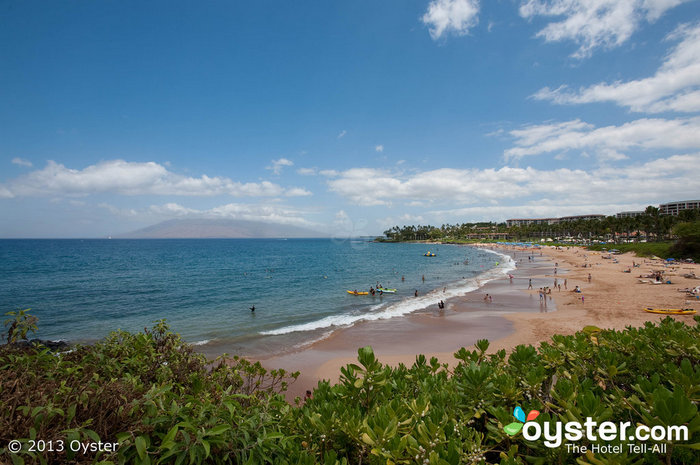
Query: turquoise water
{"x": 83, "y": 289}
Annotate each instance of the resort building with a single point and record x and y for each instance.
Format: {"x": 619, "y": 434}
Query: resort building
{"x": 582, "y": 218}
{"x": 528, "y": 221}
{"x": 629, "y": 214}
{"x": 674, "y": 207}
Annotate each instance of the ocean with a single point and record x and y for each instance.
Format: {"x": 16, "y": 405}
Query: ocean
{"x": 204, "y": 288}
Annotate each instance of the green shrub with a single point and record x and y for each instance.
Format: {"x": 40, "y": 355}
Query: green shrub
{"x": 164, "y": 403}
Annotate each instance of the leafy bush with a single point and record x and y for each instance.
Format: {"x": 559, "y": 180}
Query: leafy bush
{"x": 166, "y": 404}
{"x": 641, "y": 249}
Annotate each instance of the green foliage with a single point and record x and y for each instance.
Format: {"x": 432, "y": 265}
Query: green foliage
{"x": 21, "y": 323}
{"x": 151, "y": 392}
{"x": 688, "y": 240}
{"x": 641, "y": 249}
{"x": 166, "y": 404}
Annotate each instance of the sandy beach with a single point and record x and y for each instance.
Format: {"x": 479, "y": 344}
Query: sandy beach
{"x": 516, "y": 315}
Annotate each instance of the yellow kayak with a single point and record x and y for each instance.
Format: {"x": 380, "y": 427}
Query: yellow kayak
{"x": 671, "y": 311}
{"x": 357, "y": 293}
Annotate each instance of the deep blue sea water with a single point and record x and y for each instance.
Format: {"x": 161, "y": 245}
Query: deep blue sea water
{"x": 83, "y": 289}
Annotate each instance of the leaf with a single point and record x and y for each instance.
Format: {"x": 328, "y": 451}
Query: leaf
{"x": 171, "y": 434}
{"x": 140, "y": 447}
{"x": 519, "y": 414}
{"x": 218, "y": 430}
{"x": 532, "y": 415}
{"x": 368, "y": 440}
{"x": 513, "y": 428}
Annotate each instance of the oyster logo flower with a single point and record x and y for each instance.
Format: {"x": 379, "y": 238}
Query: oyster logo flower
{"x": 513, "y": 428}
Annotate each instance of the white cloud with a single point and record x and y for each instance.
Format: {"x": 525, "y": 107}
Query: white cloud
{"x": 594, "y": 24}
{"x": 268, "y": 213}
{"x": 342, "y": 134}
{"x": 277, "y": 165}
{"x": 21, "y": 162}
{"x": 297, "y": 192}
{"x": 646, "y": 133}
{"x": 307, "y": 171}
{"x": 674, "y": 87}
{"x": 131, "y": 178}
{"x": 328, "y": 173}
{"x": 670, "y": 177}
{"x": 5, "y": 193}
{"x": 456, "y": 16}
{"x": 379, "y": 148}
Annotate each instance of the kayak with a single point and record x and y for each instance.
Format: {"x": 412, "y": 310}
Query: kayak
{"x": 386, "y": 291}
{"x": 357, "y": 293}
{"x": 671, "y": 311}
{"x": 429, "y": 254}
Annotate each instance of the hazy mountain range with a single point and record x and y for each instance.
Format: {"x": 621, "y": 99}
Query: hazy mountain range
{"x": 219, "y": 228}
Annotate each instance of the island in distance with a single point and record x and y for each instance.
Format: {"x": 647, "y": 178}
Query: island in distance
{"x": 219, "y": 229}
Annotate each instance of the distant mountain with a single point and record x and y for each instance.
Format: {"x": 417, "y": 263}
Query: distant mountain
{"x": 215, "y": 228}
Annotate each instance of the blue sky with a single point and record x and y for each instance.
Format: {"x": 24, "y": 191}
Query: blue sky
{"x": 347, "y": 118}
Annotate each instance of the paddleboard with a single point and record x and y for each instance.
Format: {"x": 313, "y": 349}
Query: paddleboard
{"x": 670, "y": 311}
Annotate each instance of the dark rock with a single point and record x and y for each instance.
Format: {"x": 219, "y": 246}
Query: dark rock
{"x": 54, "y": 346}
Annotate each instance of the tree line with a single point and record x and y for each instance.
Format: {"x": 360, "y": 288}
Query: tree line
{"x": 650, "y": 226}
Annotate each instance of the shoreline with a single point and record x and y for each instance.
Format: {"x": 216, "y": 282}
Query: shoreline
{"x": 612, "y": 300}
{"x": 431, "y": 332}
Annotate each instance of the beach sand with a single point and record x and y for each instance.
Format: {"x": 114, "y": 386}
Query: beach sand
{"x": 612, "y": 299}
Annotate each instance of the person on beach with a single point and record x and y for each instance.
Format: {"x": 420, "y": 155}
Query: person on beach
{"x": 415, "y": 294}
{"x": 529, "y": 284}
{"x": 403, "y": 278}
{"x": 252, "y": 309}
{"x": 307, "y": 396}
{"x": 589, "y": 277}
{"x": 564, "y": 283}
{"x": 541, "y": 293}
{"x": 423, "y": 278}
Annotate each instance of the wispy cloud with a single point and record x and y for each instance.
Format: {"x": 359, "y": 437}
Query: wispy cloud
{"x": 674, "y": 87}
{"x": 646, "y": 133}
{"x": 451, "y": 16}
{"x": 268, "y": 213}
{"x": 342, "y": 134}
{"x": 594, "y": 24}
{"x": 277, "y": 165}
{"x": 379, "y": 148}
{"x": 307, "y": 171}
{"x": 668, "y": 176}
{"x": 21, "y": 162}
{"x": 130, "y": 178}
